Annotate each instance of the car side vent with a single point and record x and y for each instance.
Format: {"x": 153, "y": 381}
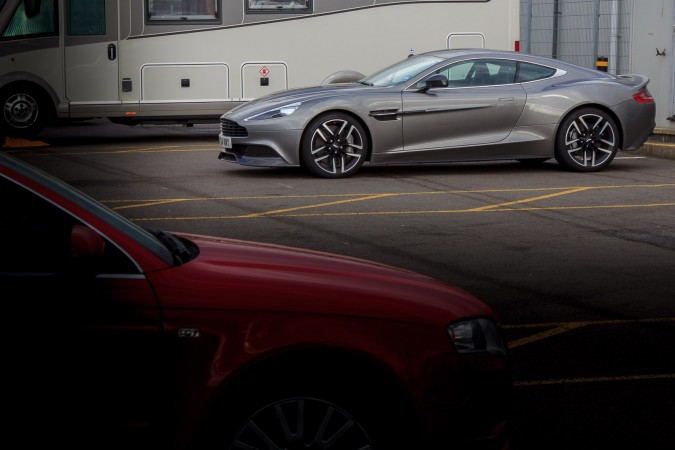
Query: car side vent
{"x": 385, "y": 114}
{"x": 230, "y": 128}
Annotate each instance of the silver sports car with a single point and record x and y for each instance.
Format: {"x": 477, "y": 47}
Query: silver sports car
{"x": 446, "y": 106}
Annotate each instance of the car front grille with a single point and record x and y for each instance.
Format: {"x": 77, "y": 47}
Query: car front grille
{"x": 230, "y": 128}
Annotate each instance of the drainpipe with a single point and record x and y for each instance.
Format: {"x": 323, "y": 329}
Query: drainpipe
{"x": 556, "y": 19}
{"x": 528, "y": 27}
{"x": 596, "y": 30}
{"x": 614, "y": 37}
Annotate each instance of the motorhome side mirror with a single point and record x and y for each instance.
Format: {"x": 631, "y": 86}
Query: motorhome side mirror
{"x": 31, "y": 7}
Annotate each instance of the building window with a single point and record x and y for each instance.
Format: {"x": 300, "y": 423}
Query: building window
{"x": 182, "y": 10}
{"x": 278, "y": 6}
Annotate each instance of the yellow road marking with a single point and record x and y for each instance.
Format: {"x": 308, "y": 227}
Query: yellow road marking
{"x": 391, "y": 213}
{"x": 665, "y": 376}
{"x": 545, "y": 334}
{"x": 563, "y": 327}
{"x": 281, "y": 211}
{"x": 502, "y": 207}
{"x": 527, "y": 200}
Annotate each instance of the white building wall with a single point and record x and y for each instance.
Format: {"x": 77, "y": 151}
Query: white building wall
{"x": 652, "y": 51}
{"x": 627, "y": 32}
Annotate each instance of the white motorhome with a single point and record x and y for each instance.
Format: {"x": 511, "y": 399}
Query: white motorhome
{"x": 189, "y": 61}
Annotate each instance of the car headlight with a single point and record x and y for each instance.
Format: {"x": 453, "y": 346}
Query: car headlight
{"x": 281, "y": 111}
{"x": 477, "y": 335}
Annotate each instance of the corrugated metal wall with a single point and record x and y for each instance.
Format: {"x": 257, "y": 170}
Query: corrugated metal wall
{"x": 578, "y": 31}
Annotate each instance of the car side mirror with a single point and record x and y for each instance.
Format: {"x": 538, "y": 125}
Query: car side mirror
{"x": 31, "y": 7}
{"x": 435, "y": 81}
{"x": 86, "y": 247}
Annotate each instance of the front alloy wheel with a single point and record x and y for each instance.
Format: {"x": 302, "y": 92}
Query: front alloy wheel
{"x": 334, "y": 146}
{"x": 587, "y": 141}
{"x": 301, "y": 423}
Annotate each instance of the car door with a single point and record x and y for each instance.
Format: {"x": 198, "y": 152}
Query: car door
{"x": 83, "y": 330}
{"x": 91, "y": 57}
{"x": 480, "y": 106}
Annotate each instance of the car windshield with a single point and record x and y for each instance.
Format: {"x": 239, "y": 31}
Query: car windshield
{"x": 401, "y": 71}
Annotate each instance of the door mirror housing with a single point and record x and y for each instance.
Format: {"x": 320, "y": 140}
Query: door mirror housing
{"x": 31, "y": 7}
{"x": 435, "y": 81}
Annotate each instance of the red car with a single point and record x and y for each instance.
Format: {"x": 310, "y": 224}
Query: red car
{"x": 118, "y": 336}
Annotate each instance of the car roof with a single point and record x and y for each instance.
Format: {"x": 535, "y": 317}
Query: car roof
{"x": 511, "y": 54}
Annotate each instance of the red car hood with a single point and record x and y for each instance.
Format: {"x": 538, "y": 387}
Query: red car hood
{"x": 239, "y": 275}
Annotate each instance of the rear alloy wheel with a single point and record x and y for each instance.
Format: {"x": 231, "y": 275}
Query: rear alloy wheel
{"x": 301, "y": 423}
{"x": 334, "y": 146}
{"x": 587, "y": 140}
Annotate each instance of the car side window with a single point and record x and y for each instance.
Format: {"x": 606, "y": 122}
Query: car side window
{"x": 37, "y": 235}
{"x": 531, "y": 72}
{"x": 480, "y": 72}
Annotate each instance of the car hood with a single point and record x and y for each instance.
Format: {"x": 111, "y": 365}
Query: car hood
{"x": 298, "y": 95}
{"x": 240, "y": 275}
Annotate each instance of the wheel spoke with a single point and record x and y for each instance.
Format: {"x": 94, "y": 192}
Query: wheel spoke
{"x": 576, "y": 125}
{"x": 299, "y": 433}
{"x": 328, "y": 442}
{"x": 317, "y": 150}
{"x": 262, "y": 436}
{"x": 342, "y": 128}
{"x": 302, "y": 422}
{"x": 327, "y": 129}
{"x": 571, "y": 142}
{"x": 600, "y": 119}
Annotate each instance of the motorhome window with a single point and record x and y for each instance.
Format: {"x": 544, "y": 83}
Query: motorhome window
{"x": 278, "y": 6}
{"x": 43, "y": 24}
{"x": 86, "y": 17}
{"x": 182, "y": 10}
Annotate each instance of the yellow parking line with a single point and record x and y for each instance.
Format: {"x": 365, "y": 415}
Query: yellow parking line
{"x": 501, "y": 207}
{"x": 451, "y": 192}
{"x": 563, "y": 327}
{"x": 279, "y": 213}
{"x": 156, "y": 202}
{"x": 665, "y": 376}
{"x": 319, "y": 205}
{"x": 527, "y": 200}
{"x": 545, "y": 334}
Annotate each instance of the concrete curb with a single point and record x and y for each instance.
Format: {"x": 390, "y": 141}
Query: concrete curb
{"x": 661, "y": 144}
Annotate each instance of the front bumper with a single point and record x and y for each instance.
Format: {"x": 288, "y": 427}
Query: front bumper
{"x": 261, "y": 146}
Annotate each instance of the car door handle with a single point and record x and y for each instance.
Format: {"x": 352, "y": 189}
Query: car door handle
{"x": 507, "y": 99}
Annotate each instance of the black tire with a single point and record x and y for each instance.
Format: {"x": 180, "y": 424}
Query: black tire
{"x": 334, "y": 145}
{"x": 587, "y": 140}
{"x": 26, "y": 110}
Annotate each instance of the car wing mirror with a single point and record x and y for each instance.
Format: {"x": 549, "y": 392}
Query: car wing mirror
{"x": 86, "y": 246}
{"x": 31, "y": 8}
{"x": 435, "y": 81}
